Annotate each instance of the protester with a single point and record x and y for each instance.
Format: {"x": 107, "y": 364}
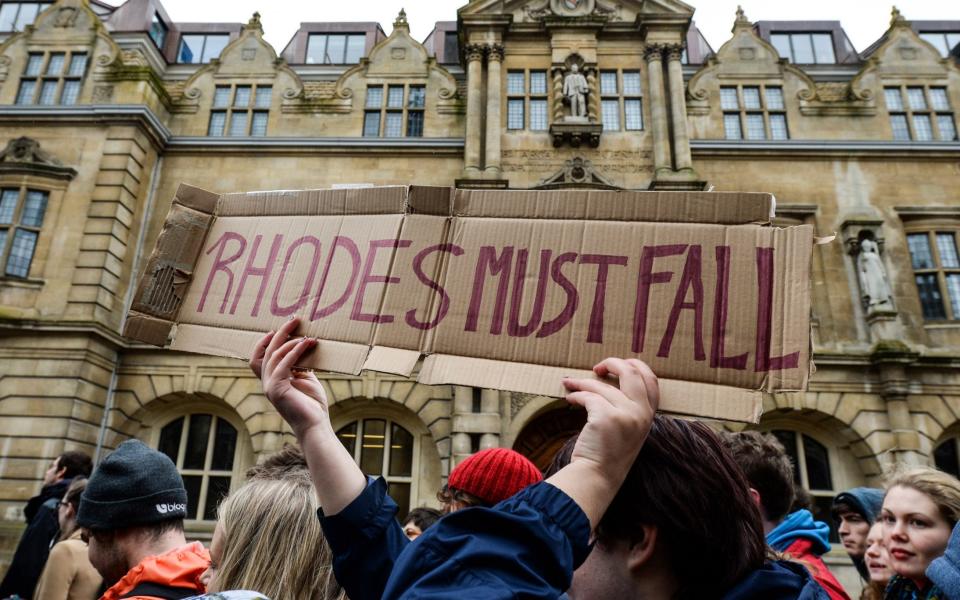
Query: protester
{"x": 418, "y": 520}
{"x": 855, "y": 511}
{"x": 132, "y": 518}
{"x": 920, "y": 510}
{"x": 42, "y": 525}
{"x": 526, "y": 546}
{"x": 944, "y": 572}
{"x": 796, "y": 534}
{"x": 877, "y": 563}
{"x": 684, "y": 525}
{"x": 486, "y": 478}
{"x": 268, "y": 538}
{"x": 68, "y": 574}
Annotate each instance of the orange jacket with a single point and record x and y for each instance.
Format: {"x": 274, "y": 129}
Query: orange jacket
{"x": 181, "y": 567}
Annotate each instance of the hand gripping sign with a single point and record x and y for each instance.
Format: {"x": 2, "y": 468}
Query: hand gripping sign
{"x": 501, "y": 289}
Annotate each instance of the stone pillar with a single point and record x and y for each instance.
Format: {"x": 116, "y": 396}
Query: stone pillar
{"x": 593, "y": 100}
{"x": 891, "y": 360}
{"x": 474, "y": 133}
{"x": 678, "y": 108}
{"x": 557, "y": 94}
{"x": 490, "y": 405}
{"x": 658, "y": 113}
{"x": 460, "y": 446}
{"x": 494, "y": 91}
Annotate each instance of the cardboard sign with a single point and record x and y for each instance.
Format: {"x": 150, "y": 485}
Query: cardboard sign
{"x": 501, "y": 289}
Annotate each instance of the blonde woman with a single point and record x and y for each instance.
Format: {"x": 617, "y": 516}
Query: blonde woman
{"x": 876, "y": 561}
{"x": 920, "y": 508}
{"x": 68, "y": 574}
{"x": 268, "y": 539}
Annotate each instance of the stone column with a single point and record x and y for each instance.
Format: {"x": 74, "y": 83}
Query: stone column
{"x": 891, "y": 360}
{"x": 658, "y": 113}
{"x": 593, "y": 100}
{"x": 490, "y": 405}
{"x": 460, "y": 446}
{"x": 474, "y": 133}
{"x": 557, "y": 94}
{"x": 678, "y": 108}
{"x": 494, "y": 91}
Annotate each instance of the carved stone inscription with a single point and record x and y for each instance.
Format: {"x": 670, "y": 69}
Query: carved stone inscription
{"x": 544, "y": 162}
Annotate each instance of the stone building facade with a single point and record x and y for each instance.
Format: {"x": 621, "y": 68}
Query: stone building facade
{"x": 104, "y": 111}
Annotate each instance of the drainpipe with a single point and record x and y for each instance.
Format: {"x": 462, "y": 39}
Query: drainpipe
{"x": 127, "y": 301}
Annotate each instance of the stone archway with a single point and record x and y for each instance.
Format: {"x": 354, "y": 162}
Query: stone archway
{"x": 543, "y": 436}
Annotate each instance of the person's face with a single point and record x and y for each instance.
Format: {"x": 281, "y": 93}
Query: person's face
{"x": 216, "y": 553}
{"x": 853, "y": 533}
{"x": 66, "y": 516}
{"x": 411, "y": 531}
{"x": 914, "y": 531}
{"x": 105, "y": 555}
{"x": 604, "y": 574}
{"x": 53, "y": 474}
{"x": 876, "y": 556}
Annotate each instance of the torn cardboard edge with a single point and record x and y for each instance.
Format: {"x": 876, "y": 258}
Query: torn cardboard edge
{"x": 687, "y": 398}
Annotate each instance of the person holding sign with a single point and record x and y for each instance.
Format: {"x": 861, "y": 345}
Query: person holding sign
{"x": 531, "y": 542}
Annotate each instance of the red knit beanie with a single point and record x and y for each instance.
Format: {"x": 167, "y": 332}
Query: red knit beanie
{"x": 494, "y": 474}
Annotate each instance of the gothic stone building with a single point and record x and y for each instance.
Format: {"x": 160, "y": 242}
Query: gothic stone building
{"x": 104, "y": 111}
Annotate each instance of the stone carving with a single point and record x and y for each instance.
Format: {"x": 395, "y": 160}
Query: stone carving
{"x": 66, "y": 17}
{"x": 473, "y": 52}
{"x": 575, "y": 90}
{"x": 495, "y": 52}
{"x": 27, "y": 150}
{"x": 248, "y": 54}
{"x": 572, "y": 8}
{"x": 102, "y": 94}
{"x": 576, "y": 171}
{"x": 874, "y": 286}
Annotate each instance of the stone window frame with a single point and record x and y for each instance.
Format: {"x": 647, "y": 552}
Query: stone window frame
{"x": 525, "y": 99}
{"x": 243, "y": 457}
{"x": 932, "y": 229}
{"x": 621, "y": 97}
{"x": 900, "y": 106}
{"x": 9, "y": 230}
{"x": 347, "y": 35}
{"x": 764, "y": 110}
{"x": 390, "y": 422}
{"x": 55, "y": 190}
{"x": 230, "y": 112}
{"x": 36, "y": 75}
{"x": 41, "y": 6}
{"x": 410, "y": 108}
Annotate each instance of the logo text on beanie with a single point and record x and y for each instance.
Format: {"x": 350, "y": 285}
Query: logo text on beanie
{"x": 171, "y": 507}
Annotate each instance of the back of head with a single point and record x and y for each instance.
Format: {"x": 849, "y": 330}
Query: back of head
{"x": 286, "y": 462}
{"x": 493, "y": 475}
{"x": 75, "y": 464}
{"x": 423, "y": 517}
{"x": 764, "y": 461}
{"x": 135, "y": 486}
{"x": 273, "y": 543}
{"x": 76, "y": 489}
{"x": 687, "y": 485}
{"x": 940, "y": 487}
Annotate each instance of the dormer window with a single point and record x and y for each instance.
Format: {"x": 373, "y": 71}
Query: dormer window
{"x": 805, "y": 48}
{"x": 158, "y": 31}
{"x": 197, "y": 48}
{"x": 335, "y": 49}
{"x": 14, "y": 16}
{"x": 943, "y": 41}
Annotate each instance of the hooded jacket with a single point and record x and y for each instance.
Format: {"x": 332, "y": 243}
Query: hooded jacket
{"x": 178, "y": 570}
{"x": 944, "y": 572}
{"x": 804, "y": 540}
{"x": 867, "y": 502}
{"x": 780, "y": 580}
{"x": 34, "y": 547}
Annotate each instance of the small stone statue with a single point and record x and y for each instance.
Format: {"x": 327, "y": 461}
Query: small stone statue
{"x": 874, "y": 288}
{"x": 575, "y": 90}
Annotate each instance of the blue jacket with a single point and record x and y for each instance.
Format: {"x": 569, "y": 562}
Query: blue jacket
{"x": 525, "y": 547}
{"x": 944, "y": 572}
{"x": 780, "y": 580}
{"x": 800, "y": 524}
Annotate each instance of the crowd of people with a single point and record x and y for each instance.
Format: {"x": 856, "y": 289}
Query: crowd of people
{"x": 637, "y": 505}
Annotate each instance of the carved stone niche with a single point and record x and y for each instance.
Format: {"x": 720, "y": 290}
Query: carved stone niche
{"x": 856, "y": 229}
{"x": 575, "y": 104}
{"x": 864, "y": 242}
{"x": 23, "y": 156}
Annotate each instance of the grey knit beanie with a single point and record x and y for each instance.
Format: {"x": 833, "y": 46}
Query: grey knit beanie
{"x": 135, "y": 485}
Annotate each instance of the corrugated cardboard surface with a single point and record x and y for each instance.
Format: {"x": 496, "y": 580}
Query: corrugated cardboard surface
{"x": 530, "y": 284}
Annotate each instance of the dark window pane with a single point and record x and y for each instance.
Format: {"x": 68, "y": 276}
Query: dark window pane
{"x": 921, "y": 256}
{"x": 34, "y": 208}
{"x": 217, "y": 489}
{"x": 401, "y": 451}
{"x": 371, "y": 448}
{"x": 416, "y": 97}
{"x": 400, "y": 492}
{"x": 930, "y": 298}
{"x": 348, "y": 437}
{"x": 224, "y": 446}
{"x": 789, "y": 441}
{"x": 170, "y": 439}
{"x": 21, "y": 253}
{"x": 192, "y": 483}
{"x": 451, "y": 47}
{"x": 821, "y": 512}
{"x": 198, "y": 435}
{"x": 158, "y": 31}
{"x": 945, "y": 457}
{"x": 415, "y": 123}
{"x": 818, "y": 464}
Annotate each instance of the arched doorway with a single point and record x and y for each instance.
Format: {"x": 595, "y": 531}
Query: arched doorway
{"x": 543, "y": 436}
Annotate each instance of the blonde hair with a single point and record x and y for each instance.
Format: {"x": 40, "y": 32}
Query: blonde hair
{"x": 941, "y": 488}
{"x": 273, "y": 543}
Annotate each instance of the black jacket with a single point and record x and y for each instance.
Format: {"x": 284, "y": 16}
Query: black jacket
{"x": 31, "y": 554}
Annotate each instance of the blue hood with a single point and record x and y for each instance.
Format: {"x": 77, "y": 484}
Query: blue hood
{"x": 865, "y": 500}
{"x": 798, "y": 525}
{"x": 780, "y": 580}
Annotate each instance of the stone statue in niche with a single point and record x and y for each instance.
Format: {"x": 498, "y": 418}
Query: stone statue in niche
{"x": 874, "y": 287}
{"x": 575, "y": 91}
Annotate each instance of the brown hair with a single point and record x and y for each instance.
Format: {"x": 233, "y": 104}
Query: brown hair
{"x": 453, "y": 499}
{"x": 72, "y": 497}
{"x": 764, "y": 461}
{"x": 687, "y": 485}
{"x": 75, "y": 464}
{"x": 288, "y": 461}
{"x": 940, "y": 487}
